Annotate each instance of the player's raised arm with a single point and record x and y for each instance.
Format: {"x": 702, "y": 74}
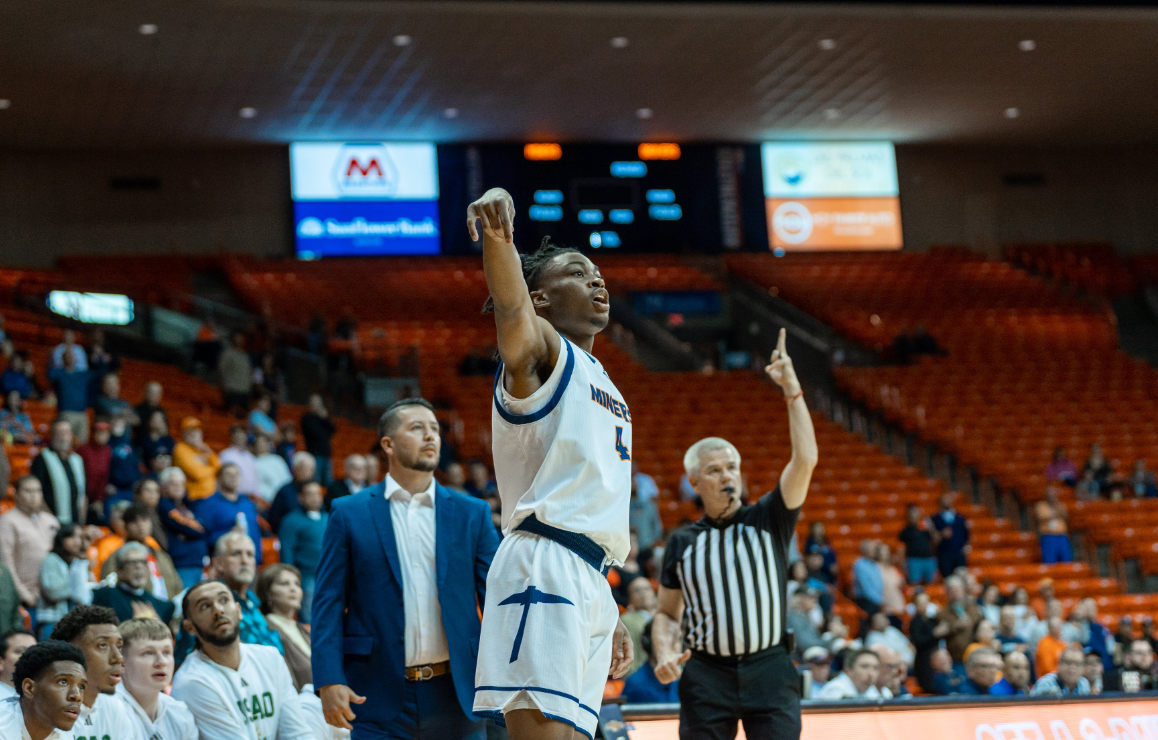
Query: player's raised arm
{"x": 526, "y": 342}
{"x": 798, "y": 472}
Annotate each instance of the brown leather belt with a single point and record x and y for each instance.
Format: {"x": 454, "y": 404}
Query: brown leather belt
{"x": 427, "y": 672}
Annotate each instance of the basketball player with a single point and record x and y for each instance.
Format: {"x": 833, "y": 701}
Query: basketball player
{"x": 562, "y": 448}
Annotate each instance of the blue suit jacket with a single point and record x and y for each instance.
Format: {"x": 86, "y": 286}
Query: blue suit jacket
{"x": 359, "y": 622}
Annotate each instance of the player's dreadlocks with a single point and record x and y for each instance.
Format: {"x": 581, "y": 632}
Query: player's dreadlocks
{"x": 533, "y": 265}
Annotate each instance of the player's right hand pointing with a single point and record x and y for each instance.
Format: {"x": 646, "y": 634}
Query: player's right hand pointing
{"x": 336, "y": 700}
{"x": 496, "y": 210}
{"x": 670, "y": 670}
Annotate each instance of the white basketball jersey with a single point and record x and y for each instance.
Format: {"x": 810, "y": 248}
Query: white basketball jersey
{"x": 564, "y": 453}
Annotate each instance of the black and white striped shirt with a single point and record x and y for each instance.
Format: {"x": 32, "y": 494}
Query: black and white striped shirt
{"x": 733, "y": 575}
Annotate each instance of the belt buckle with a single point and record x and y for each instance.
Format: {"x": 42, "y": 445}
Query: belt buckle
{"x": 423, "y": 673}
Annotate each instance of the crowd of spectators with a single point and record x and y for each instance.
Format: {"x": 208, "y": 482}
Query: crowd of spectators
{"x": 1097, "y": 478}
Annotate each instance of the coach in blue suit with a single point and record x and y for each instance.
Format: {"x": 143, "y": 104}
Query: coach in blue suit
{"x": 400, "y": 582}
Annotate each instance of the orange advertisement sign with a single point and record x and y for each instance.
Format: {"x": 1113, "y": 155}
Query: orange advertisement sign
{"x": 1090, "y": 720}
{"x": 834, "y": 223}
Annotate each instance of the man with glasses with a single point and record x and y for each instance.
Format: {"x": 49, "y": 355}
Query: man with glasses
{"x": 1137, "y": 672}
{"x": 132, "y": 596}
{"x": 981, "y": 669}
{"x": 1068, "y": 678}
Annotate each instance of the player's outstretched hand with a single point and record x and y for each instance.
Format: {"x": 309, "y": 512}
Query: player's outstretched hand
{"x": 671, "y": 670}
{"x": 496, "y": 211}
{"x": 780, "y": 368}
{"x": 336, "y": 700}
{"x": 622, "y": 651}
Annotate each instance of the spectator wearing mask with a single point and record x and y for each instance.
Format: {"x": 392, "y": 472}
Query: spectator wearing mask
{"x": 301, "y": 541}
{"x": 154, "y": 439}
{"x": 71, "y": 387}
{"x": 272, "y": 470}
{"x": 110, "y": 404}
{"x": 317, "y": 433}
{"x": 16, "y": 422}
{"x": 148, "y": 671}
{"x": 149, "y": 405}
{"x": 69, "y": 346}
{"x": 236, "y": 372}
{"x": 480, "y": 484}
{"x": 958, "y": 619}
{"x": 279, "y": 589}
{"x": 237, "y": 453}
{"x": 353, "y": 480}
{"x": 857, "y": 681}
{"x": 26, "y": 536}
{"x": 1050, "y": 648}
{"x": 61, "y": 475}
{"x": 124, "y": 465}
{"x": 640, "y": 610}
{"x": 199, "y": 463}
{"x": 1015, "y": 678}
{"x": 952, "y": 536}
{"x": 260, "y": 417}
{"x": 51, "y": 680}
{"x": 867, "y": 581}
{"x": 1141, "y": 481}
{"x": 643, "y": 517}
{"x": 1068, "y": 678}
{"x": 1137, "y": 672}
{"x": 894, "y": 670}
{"x": 1061, "y": 469}
{"x": 881, "y": 632}
{"x": 94, "y": 629}
{"x": 818, "y": 542}
{"x": 817, "y": 666}
{"x": 208, "y": 679}
{"x": 982, "y": 668}
{"x": 647, "y": 489}
{"x": 96, "y": 456}
{"x": 64, "y": 578}
{"x": 227, "y": 510}
{"x": 918, "y": 541}
{"x": 304, "y": 470}
{"x": 133, "y": 596}
{"x": 1052, "y": 529}
{"x": 13, "y": 643}
{"x": 186, "y": 535}
{"x": 641, "y": 686}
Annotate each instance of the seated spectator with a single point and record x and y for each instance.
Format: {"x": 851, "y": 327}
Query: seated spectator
{"x": 40, "y": 392}
{"x": 1052, "y": 529}
{"x": 279, "y": 590}
{"x": 15, "y": 421}
{"x": 984, "y": 635}
{"x": 61, "y": 474}
{"x": 920, "y": 561}
{"x": 1123, "y": 636}
{"x": 196, "y": 460}
{"x": 26, "y": 537}
{"x": 1026, "y": 616}
{"x": 894, "y": 671}
{"x": 133, "y": 596}
{"x": 318, "y": 433}
{"x": 641, "y": 608}
{"x": 647, "y": 489}
{"x": 990, "y": 602}
{"x": 148, "y": 671}
{"x": 164, "y": 583}
{"x": 1050, "y": 648}
{"x": 110, "y": 404}
{"x": 111, "y": 542}
{"x": 480, "y": 483}
{"x": 124, "y": 465}
{"x": 642, "y": 687}
{"x": 97, "y": 455}
{"x": 51, "y": 680}
{"x": 1141, "y": 481}
{"x": 68, "y": 346}
{"x": 155, "y": 439}
{"x": 188, "y": 546}
{"x": 1099, "y": 466}
{"x": 235, "y": 563}
{"x": 857, "y": 681}
{"x": 353, "y": 480}
{"x": 288, "y": 444}
{"x": 272, "y": 471}
{"x": 924, "y": 343}
{"x": 453, "y": 477}
{"x": 236, "y": 372}
{"x": 922, "y": 633}
{"x": 64, "y": 578}
{"x": 800, "y": 620}
{"x": 947, "y": 675}
{"x": 1061, "y": 468}
{"x": 892, "y": 583}
{"x": 797, "y": 577}
{"x": 882, "y": 633}
{"x": 13, "y": 380}
{"x": 1068, "y": 678}
{"x": 1087, "y": 488}
{"x": 13, "y": 643}
{"x": 643, "y": 517}
{"x": 304, "y": 470}
{"x": 818, "y": 542}
{"x": 817, "y": 663}
{"x": 237, "y": 453}
{"x": 301, "y": 541}
{"x": 374, "y": 468}
{"x": 150, "y": 404}
{"x": 1007, "y": 636}
{"x": 621, "y": 576}
{"x": 958, "y": 619}
{"x": 867, "y": 581}
{"x": 1092, "y": 634}
{"x": 1015, "y": 676}
{"x": 228, "y": 511}
{"x": 1094, "y": 671}
{"x": 260, "y": 419}
{"x": 982, "y": 668}
{"x": 1148, "y": 633}
{"x": 1137, "y": 672}
{"x": 207, "y": 681}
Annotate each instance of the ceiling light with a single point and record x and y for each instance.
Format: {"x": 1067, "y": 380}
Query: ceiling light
{"x": 247, "y": 112}
{"x": 450, "y": 113}
{"x": 147, "y": 29}
{"x": 619, "y": 42}
{"x": 1027, "y": 45}
{"x": 402, "y": 40}
{"x": 827, "y": 44}
{"x": 5, "y": 103}
{"x": 831, "y": 114}
{"x": 1012, "y": 112}
{"x": 644, "y": 113}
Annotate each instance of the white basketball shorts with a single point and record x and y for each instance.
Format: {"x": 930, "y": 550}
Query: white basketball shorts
{"x": 547, "y": 633}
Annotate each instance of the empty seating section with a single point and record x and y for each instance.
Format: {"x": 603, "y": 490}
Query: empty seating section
{"x": 1095, "y": 268}
{"x": 1027, "y": 369}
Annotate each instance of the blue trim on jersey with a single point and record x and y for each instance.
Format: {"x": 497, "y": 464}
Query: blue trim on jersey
{"x": 543, "y": 691}
{"x": 550, "y": 405}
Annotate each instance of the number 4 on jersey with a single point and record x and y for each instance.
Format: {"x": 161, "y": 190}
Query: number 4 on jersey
{"x": 624, "y": 453}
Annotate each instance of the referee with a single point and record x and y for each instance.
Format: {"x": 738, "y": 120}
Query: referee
{"x": 722, "y": 593}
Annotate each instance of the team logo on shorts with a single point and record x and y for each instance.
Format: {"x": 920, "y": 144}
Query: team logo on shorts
{"x": 531, "y": 596}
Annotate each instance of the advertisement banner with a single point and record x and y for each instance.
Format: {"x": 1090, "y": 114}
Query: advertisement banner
{"x": 834, "y": 223}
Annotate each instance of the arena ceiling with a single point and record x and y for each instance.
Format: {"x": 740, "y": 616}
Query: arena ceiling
{"x": 126, "y": 73}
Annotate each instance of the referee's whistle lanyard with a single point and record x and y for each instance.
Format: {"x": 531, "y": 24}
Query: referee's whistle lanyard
{"x": 238, "y": 700}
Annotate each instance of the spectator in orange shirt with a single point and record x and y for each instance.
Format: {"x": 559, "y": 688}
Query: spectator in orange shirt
{"x": 112, "y": 541}
{"x": 1050, "y": 648}
{"x": 196, "y": 460}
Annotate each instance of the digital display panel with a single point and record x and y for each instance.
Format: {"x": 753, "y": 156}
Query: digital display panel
{"x": 92, "y": 308}
{"x": 364, "y": 198}
{"x": 831, "y": 195}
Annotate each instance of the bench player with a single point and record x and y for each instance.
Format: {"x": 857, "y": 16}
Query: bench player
{"x": 562, "y": 449}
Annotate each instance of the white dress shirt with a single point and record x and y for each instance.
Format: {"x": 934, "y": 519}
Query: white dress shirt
{"x": 413, "y": 519}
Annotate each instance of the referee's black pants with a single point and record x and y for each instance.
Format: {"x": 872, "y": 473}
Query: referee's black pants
{"x": 761, "y": 690}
